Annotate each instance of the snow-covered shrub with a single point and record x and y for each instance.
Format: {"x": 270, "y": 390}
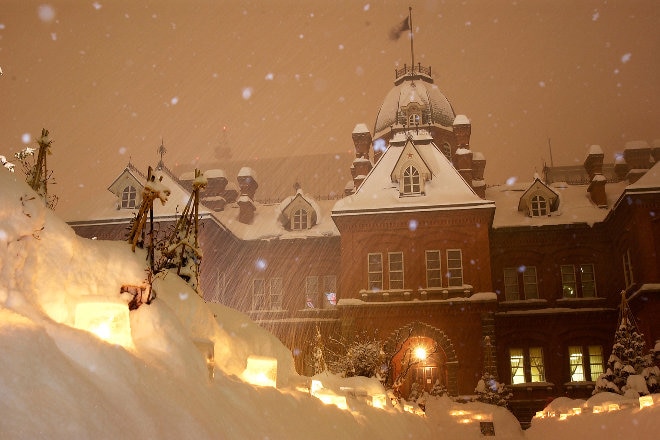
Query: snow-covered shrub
{"x": 490, "y": 391}
{"x": 361, "y": 357}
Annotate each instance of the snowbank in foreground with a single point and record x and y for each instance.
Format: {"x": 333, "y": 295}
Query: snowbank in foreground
{"x": 57, "y": 381}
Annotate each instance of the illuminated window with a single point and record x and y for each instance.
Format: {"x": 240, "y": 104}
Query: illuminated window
{"x": 539, "y": 206}
{"x": 526, "y": 365}
{"x": 578, "y": 281}
{"x": 128, "y": 197}
{"x": 300, "y": 220}
{"x": 411, "y": 182}
{"x": 585, "y": 362}
{"x": 454, "y": 268}
{"x": 396, "y": 270}
{"x": 375, "y": 272}
{"x": 433, "y": 269}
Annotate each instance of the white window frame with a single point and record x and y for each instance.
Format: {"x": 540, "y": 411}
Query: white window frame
{"x": 300, "y": 220}
{"x": 585, "y": 362}
{"x": 412, "y": 181}
{"x": 530, "y": 282}
{"x": 528, "y": 359}
{"x": 433, "y": 268}
{"x": 129, "y": 197}
{"x": 312, "y": 291}
{"x": 414, "y": 119}
{"x": 275, "y": 289}
{"x": 375, "y": 271}
{"x": 454, "y": 271}
{"x": 538, "y": 206}
{"x": 395, "y": 270}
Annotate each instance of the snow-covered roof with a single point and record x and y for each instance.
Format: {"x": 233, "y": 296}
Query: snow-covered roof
{"x": 361, "y": 128}
{"x": 461, "y": 120}
{"x": 649, "y": 182}
{"x": 266, "y": 225}
{"x": 575, "y": 205}
{"x": 636, "y": 145}
{"x": 426, "y": 94}
{"x": 595, "y": 149}
{"x": 378, "y": 194}
{"x": 104, "y": 206}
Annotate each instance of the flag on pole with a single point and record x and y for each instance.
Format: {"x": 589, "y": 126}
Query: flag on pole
{"x": 396, "y": 31}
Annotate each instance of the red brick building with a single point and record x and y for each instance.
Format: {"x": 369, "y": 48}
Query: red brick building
{"x": 420, "y": 243}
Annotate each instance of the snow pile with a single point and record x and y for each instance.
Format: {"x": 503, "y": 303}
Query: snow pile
{"x": 58, "y": 381}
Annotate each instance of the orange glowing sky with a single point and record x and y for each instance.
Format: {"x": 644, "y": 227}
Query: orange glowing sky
{"x": 110, "y": 79}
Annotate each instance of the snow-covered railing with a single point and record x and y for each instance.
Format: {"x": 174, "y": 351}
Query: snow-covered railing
{"x": 411, "y": 70}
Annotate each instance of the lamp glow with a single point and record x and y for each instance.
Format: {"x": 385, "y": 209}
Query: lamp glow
{"x": 261, "y": 371}
{"x": 106, "y": 318}
{"x": 420, "y": 353}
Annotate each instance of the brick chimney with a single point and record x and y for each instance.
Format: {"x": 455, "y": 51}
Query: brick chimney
{"x": 247, "y": 182}
{"x": 596, "y": 190}
{"x": 594, "y": 161}
{"x": 361, "y": 140}
{"x": 594, "y": 166}
{"x": 638, "y": 157}
{"x": 620, "y": 167}
{"x": 246, "y": 209}
{"x": 214, "y": 195}
{"x": 463, "y": 163}
{"x": 462, "y": 131}
{"x": 478, "y": 168}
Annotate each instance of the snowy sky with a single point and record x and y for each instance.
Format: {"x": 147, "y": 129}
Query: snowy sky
{"x": 109, "y": 79}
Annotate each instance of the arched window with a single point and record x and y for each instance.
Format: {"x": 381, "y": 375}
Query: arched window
{"x": 411, "y": 184}
{"x": 300, "y": 220}
{"x": 128, "y": 197}
{"x": 413, "y": 119}
{"x": 539, "y": 206}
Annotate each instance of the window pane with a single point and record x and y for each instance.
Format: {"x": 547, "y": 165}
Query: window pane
{"x": 433, "y": 269}
{"x": 568, "y": 285}
{"x": 375, "y": 275}
{"x": 595, "y": 361}
{"x": 537, "y": 372}
{"x": 454, "y": 268}
{"x": 530, "y": 283}
{"x": 517, "y": 371}
{"x": 311, "y": 291}
{"x": 511, "y": 289}
{"x": 575, "y": 363}
{"x": 396, "y": 270}
{"x": 539, "y": 206}
{"x": 299, "y": 220}
{"x": 588, "y": 280}
{"x": 258, "y": 300}
{"x": 275, "y": 294}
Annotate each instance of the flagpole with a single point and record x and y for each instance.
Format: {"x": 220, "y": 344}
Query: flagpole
{"x": 412, "y": 51}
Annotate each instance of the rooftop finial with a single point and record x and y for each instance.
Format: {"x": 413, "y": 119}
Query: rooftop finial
{"x": 161, "y": 152}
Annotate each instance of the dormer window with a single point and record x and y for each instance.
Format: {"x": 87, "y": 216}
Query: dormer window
{"x": 539, "y": 206}
{"x": 300, "y": 220}
{"x": 411, "y": 181}
{"x": 128, "y": 197}
{"x": 414, "y": 119}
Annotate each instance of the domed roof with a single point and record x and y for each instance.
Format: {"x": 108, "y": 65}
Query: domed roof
{"x": 421, "y": 91}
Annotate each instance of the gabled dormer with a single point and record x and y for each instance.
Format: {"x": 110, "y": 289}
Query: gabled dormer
{"x": 128, "y": 188}
{"x": 539, "y": 200}
{"x": 298, "y": 212}
{"x": 411, "y": 172}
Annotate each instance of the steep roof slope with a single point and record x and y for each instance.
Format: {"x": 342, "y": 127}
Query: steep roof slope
{"x": 379, "y": 194}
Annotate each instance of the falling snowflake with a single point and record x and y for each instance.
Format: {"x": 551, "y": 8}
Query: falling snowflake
{"x": 174, "y": 100}
{"x": 26, "y": 138}
{"x": 269, "y": 76}
{"x": 366, "y": 7}
{"x": 626, "y": 57}
{"x": 46, "y": 13}
{"x": 412, "y": 225}
{"x": 247, "y": 93}
{"x": 511, "y": 180}
{"x": 97, "y": 5}
{"x": 541, "y": 83}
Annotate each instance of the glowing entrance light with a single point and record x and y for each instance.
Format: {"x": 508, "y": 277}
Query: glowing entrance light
{"x": 420, "y": 353}
{"x": 106, "y": 318}
{"x": 261, "y": 371}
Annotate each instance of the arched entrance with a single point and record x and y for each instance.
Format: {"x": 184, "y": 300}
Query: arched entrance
{"x": 421, "y": 354}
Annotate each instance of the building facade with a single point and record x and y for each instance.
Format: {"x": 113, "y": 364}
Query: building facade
{"x": 422, "y": 253}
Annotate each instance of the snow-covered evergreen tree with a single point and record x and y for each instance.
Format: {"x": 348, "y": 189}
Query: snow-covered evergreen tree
{"x": 489, "y": 389}
{"x": 438, "y": 389}
{"x": 629, "y": 357}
